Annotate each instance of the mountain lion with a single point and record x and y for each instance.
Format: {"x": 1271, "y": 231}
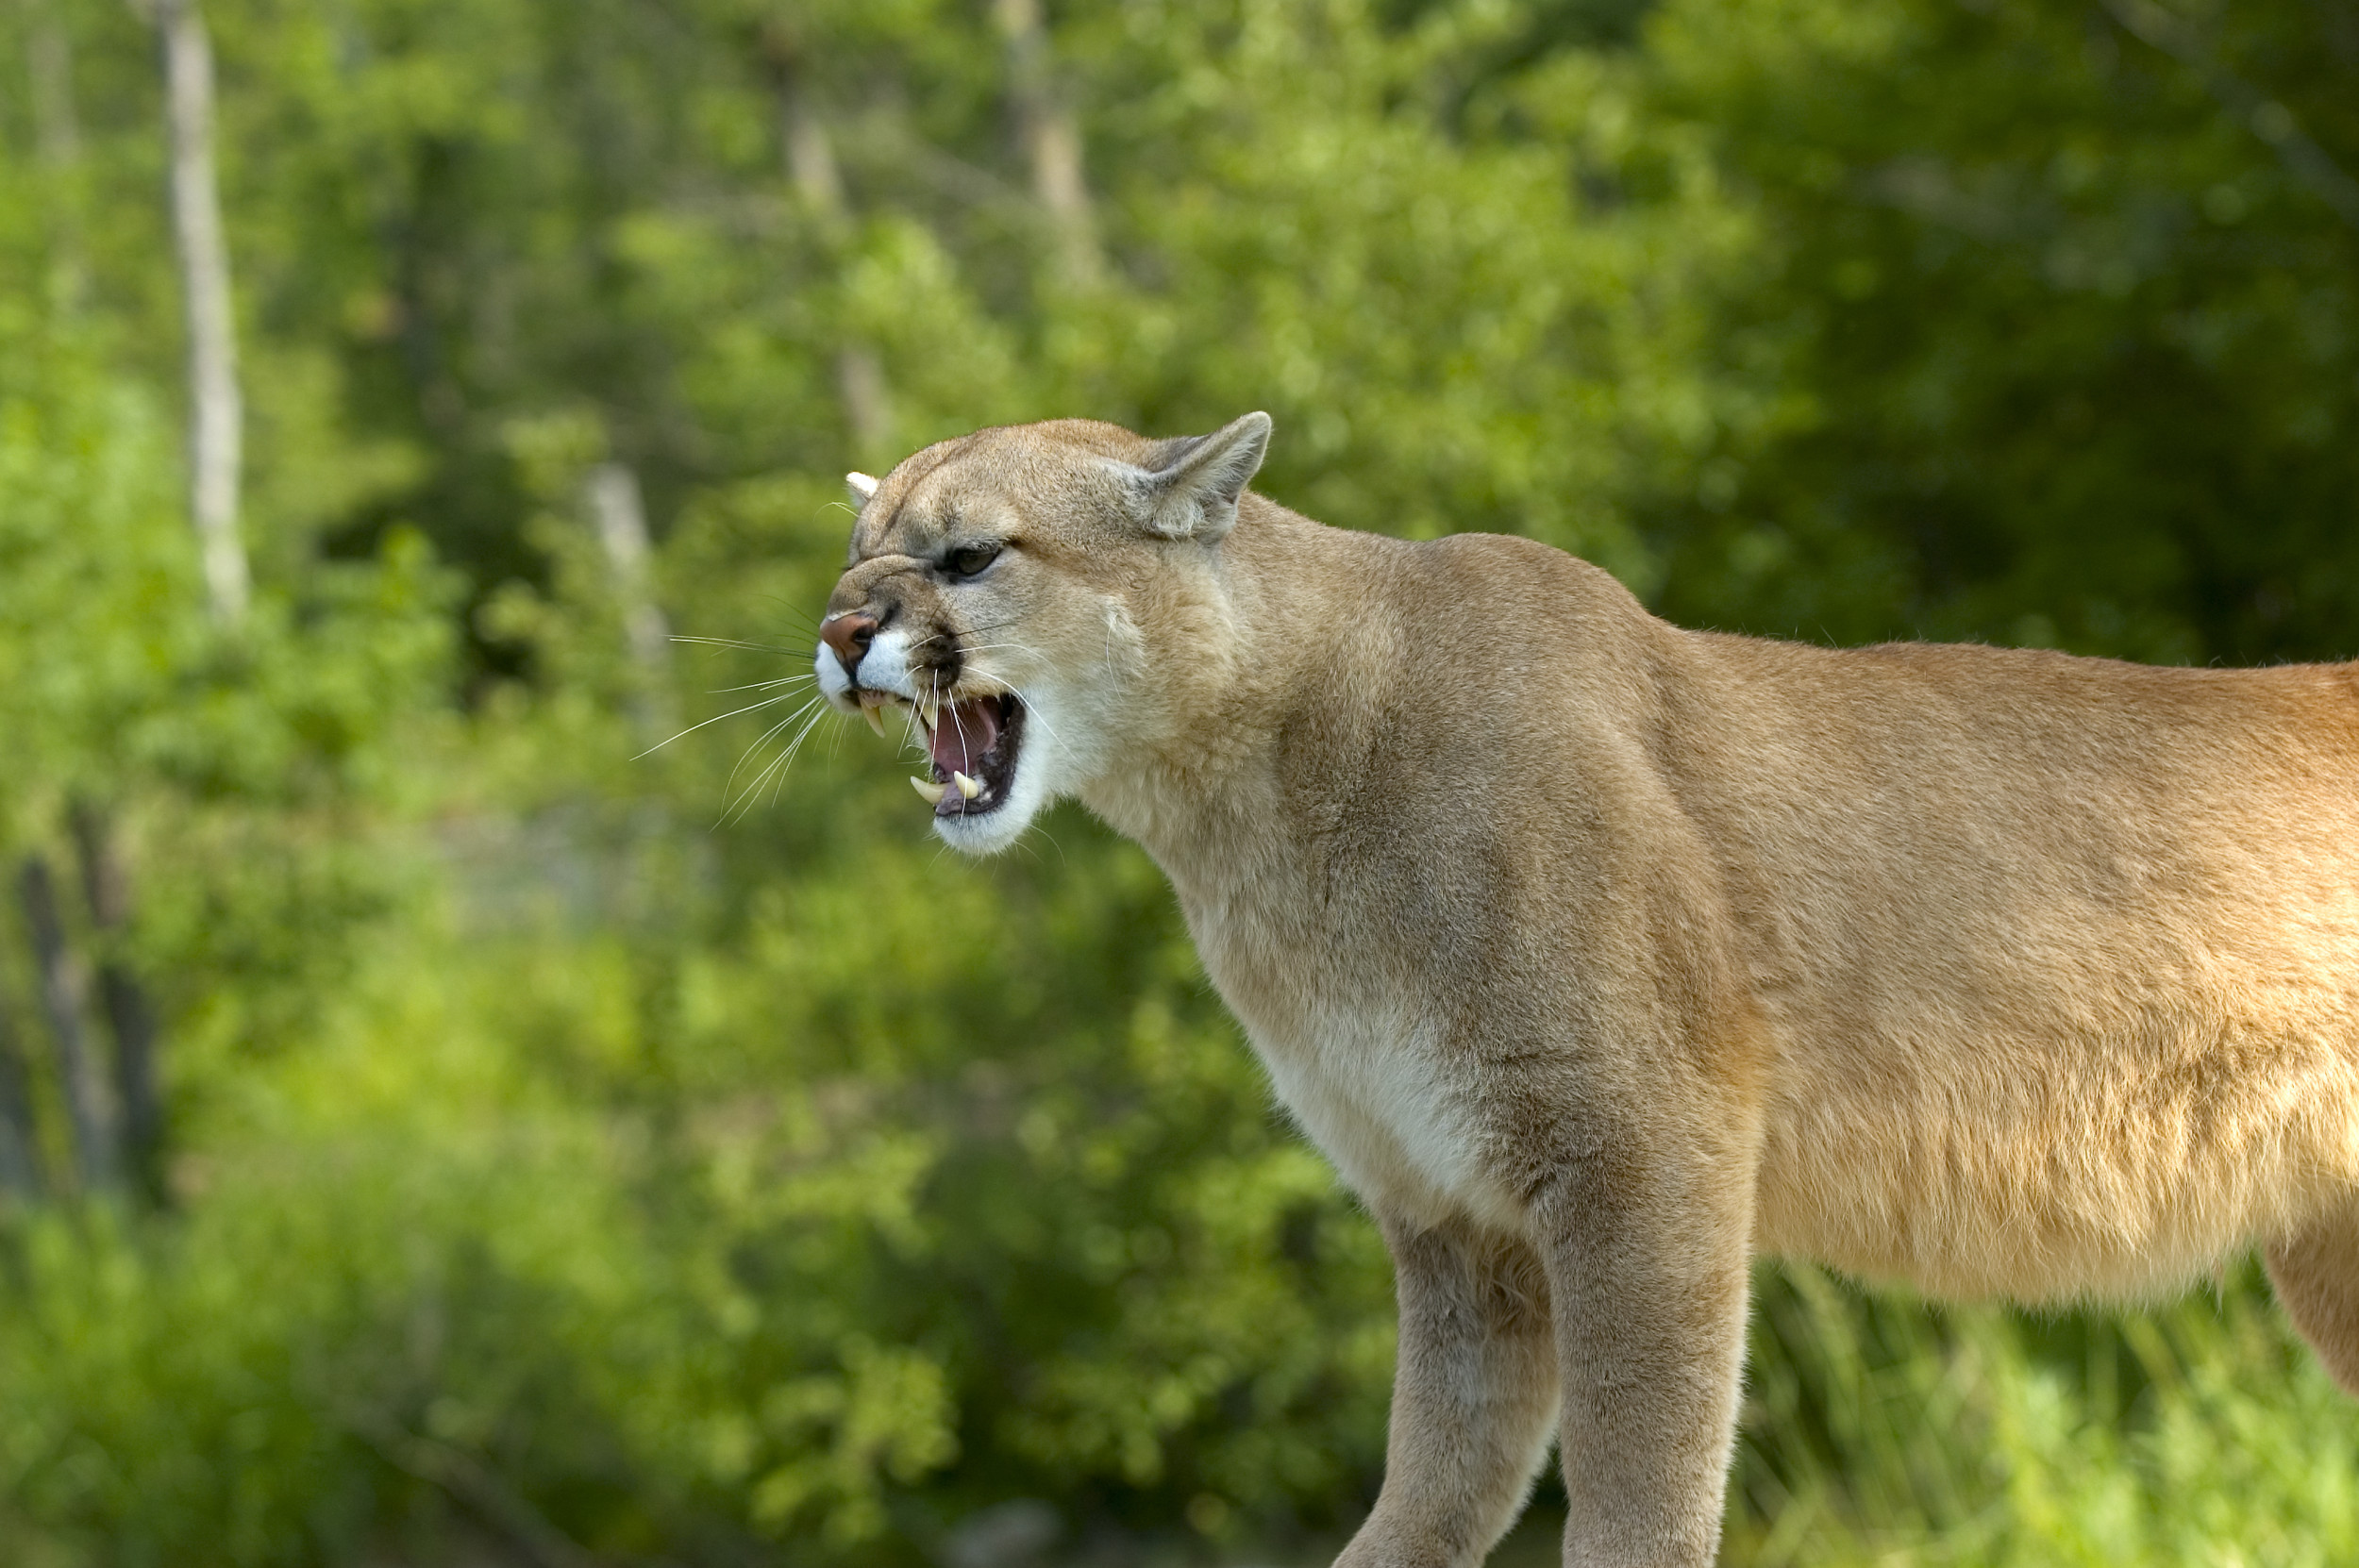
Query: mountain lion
{"x": 1601, "y": 956}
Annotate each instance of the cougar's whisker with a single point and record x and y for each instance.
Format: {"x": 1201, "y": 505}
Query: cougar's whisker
{"x": 730, "y": 798}
{"x": 763, "y": 739}
{"x": 714, "y": 720}
{"x": 744, "y": 804}
{"x": 738, "y": 645}
{"x": 968, "y": 632}
{"x": 759, "y": 685}
{"x": 786, "y": 759}
{"x": 961, "y": 723}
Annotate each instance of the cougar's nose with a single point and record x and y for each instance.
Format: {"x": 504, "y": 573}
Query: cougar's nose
{"x": 850, "y": 636}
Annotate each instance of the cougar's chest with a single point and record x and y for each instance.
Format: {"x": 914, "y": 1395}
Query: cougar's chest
{"x": 1356, "y": 1061}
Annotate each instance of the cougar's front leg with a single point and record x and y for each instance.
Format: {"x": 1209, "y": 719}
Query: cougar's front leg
{"x": 1474, "y": 1397}
{"x": 1647, "y": 1268}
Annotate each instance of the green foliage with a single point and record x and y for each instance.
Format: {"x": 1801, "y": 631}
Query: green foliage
{"x": 669, "y": 1155}
{"x": 1878, "y": 1433}
{"x": 2073, "y": 343}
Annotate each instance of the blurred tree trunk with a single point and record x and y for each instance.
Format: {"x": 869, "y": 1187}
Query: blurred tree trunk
{"x": 129, "y": 1016}
{"x": 61, "y": 994}
{"x": 621, "y": 515}
{"x": 810, "y": 165}
{"x": 215, "y": 417}
{"x": 1051, "y": 140}
{"x": 19, "y": 1151}
{"x": 58, "y": 143}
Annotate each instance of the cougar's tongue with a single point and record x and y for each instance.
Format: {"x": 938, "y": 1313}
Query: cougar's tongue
{"x": 965, "y": 732}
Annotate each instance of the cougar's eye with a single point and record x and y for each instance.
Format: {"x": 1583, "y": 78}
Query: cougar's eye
{"x": 969, "y": 560}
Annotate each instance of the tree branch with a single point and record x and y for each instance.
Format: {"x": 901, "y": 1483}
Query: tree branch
{"x": 1052, "y": 140}
{"x": 216, "y": 419}
{"x": 62, "y": 985}
{"x": 106, "y": 886}
{"x": 475, "y": 1486}
{"x": 811, "y": 162}
{"x": 20, "y": 1150}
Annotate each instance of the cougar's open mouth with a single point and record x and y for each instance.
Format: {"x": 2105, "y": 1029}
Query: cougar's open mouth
{"x": 973, "y": 743}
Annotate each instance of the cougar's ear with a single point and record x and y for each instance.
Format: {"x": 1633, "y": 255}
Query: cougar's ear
{"x": 1191, "y": 491}
{"x": 862, "y": 487}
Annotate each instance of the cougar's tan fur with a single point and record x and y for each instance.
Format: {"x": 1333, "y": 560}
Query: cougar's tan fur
{"x": 1601, "y": 956}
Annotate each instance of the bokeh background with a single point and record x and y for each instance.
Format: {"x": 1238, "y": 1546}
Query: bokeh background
{"x": 435, "y": 1128}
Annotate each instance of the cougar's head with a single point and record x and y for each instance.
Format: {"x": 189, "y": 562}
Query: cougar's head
{"x": 1041, "y": 598}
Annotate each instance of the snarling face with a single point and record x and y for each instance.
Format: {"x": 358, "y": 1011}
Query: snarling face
{"x": 1008, "y": 590}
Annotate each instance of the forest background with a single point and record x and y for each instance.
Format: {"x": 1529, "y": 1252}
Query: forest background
{"x": 435, "y": 1128}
